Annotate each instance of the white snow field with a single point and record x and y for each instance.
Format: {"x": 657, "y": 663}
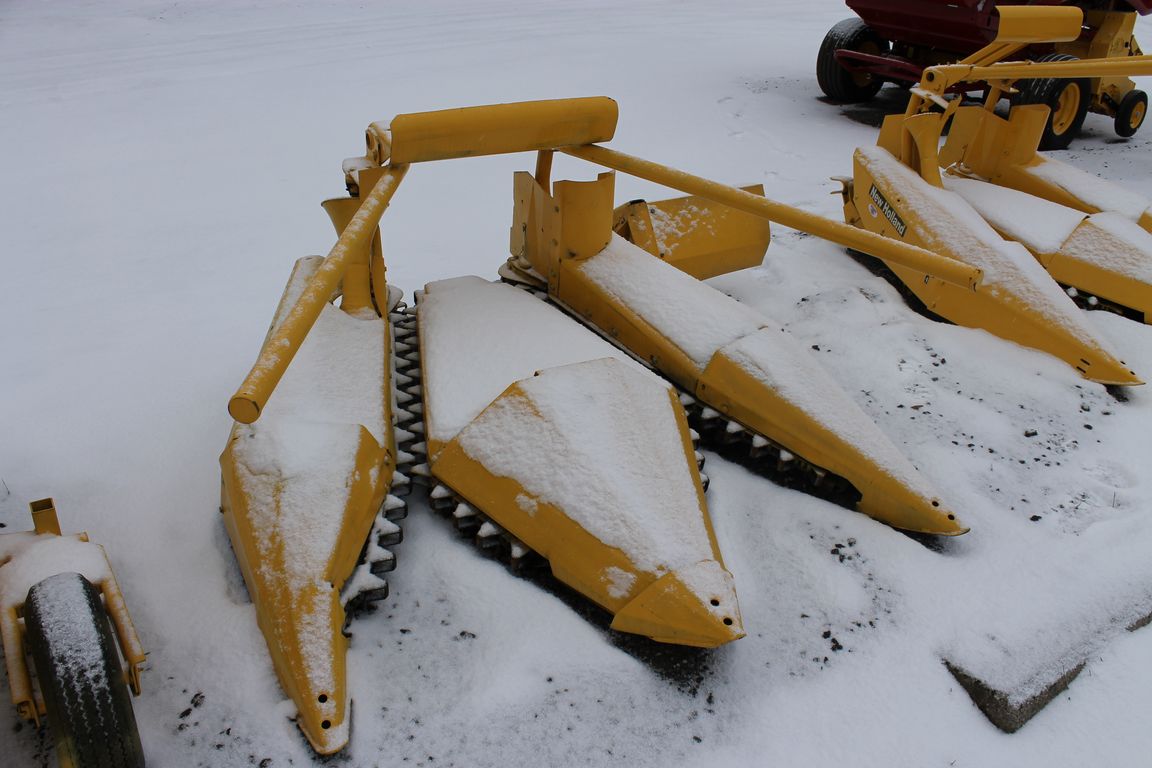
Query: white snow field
{"x": 162, "y": 168}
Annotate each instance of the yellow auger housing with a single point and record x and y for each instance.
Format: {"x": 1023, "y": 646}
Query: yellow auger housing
{"x": 897, "y": 191}
{"x": 728, "y": 358}
{"x": 567, "y": 445}
{"x": 577, "y": 452}
{"x": 1101, "y": 255}
{"x": 305, "y": 487}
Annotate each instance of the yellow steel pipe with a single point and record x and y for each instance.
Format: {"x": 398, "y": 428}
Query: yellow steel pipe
{"x": 940, "y": 78}
{"x": 283, "y": 343}
{"x": 947, "y": 269}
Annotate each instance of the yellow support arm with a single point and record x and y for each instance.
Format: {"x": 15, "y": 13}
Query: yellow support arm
{"x": 947, "y": 269}
{"x": 250, "y": 399}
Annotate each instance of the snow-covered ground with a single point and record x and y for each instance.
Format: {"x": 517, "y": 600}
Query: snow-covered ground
{"x": 162, "y": 168}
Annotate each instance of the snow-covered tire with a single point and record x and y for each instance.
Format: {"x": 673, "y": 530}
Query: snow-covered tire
{"x": 1067, "y": 98}
{"x": 78, "y": 668}
{"x": 838, "y": 83}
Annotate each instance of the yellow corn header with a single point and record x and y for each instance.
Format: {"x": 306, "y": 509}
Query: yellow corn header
{"x": 517, "y": 441}
{"x": 898, "y": 190}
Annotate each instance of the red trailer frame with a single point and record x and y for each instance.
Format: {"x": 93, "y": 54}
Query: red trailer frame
{"x": 953, "y": 27}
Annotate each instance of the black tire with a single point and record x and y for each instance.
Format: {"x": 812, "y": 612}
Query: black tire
{"x": 78, "y": 668}
{"x": 838, "y": 83}
{"x": 1130, "y": 114}
{"x": 1067, "y": 98}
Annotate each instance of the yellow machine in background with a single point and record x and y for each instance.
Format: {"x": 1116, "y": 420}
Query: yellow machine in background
{"x": 896, "y": 40}
{"x": 897, "y": 190}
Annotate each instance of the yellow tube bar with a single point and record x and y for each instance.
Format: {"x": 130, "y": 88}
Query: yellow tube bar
{"x": 283, "y": 343}
{"x": 950, "y": 74}
{"x": 942, "y": 267}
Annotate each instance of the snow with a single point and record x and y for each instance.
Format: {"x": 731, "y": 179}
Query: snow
{"x": 163, "y": 163}
{"x": 660, "y": 295}
{"x": 778, "y": 360}
{"x": 599, "y": 441}
{"x": 1091, "y": 188}
{"x": 46, "y": 556}
{"x": 1117, "y": 242}
{"x": 336, "y": 377}
{"x": 1040, "y": 225}
{"x": 1109, "y": 240}
{"x": 1010, "y": 271}
{"x": 499, "y": 334}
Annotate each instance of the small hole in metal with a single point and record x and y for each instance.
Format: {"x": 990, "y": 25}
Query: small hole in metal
{"x": 326, "y": 724}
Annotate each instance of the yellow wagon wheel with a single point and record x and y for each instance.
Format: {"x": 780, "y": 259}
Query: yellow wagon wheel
{"x": 1131, "y": 112}
{"x": 1067, "y": 98}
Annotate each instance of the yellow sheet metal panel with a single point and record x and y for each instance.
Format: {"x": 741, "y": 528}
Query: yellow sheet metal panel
{"x": 585, "y": 214}
{"x": 295, "y": 558}
{"x": 697, "y": 235}
{"x": 891, "y": 489}
{"x": 702, "y": 613}
{"x": 668, "y": 611}
{"x": 1022, "y": 309}
{"x": 1032, "y": 24}
{"x": 300, "y": 492}
{"x": 624, "y": 325}
{"x": 499, "y": 128}
{"x": 637, "y": 301}
{"x": 1077, "y": 264}
{"x": 1104, "y": 255}
{"x": 535, "y": 226}
{"x": 44, "y": 518}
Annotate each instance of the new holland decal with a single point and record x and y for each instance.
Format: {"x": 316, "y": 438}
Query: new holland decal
{"x": 886, "y": 208}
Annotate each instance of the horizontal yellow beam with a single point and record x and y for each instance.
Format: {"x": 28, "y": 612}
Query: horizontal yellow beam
{"x": 284, "y": 341}
{"x": 942, "y": 77}
{"x": 499, "y": 128}
{"x": 942, "y": 267}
